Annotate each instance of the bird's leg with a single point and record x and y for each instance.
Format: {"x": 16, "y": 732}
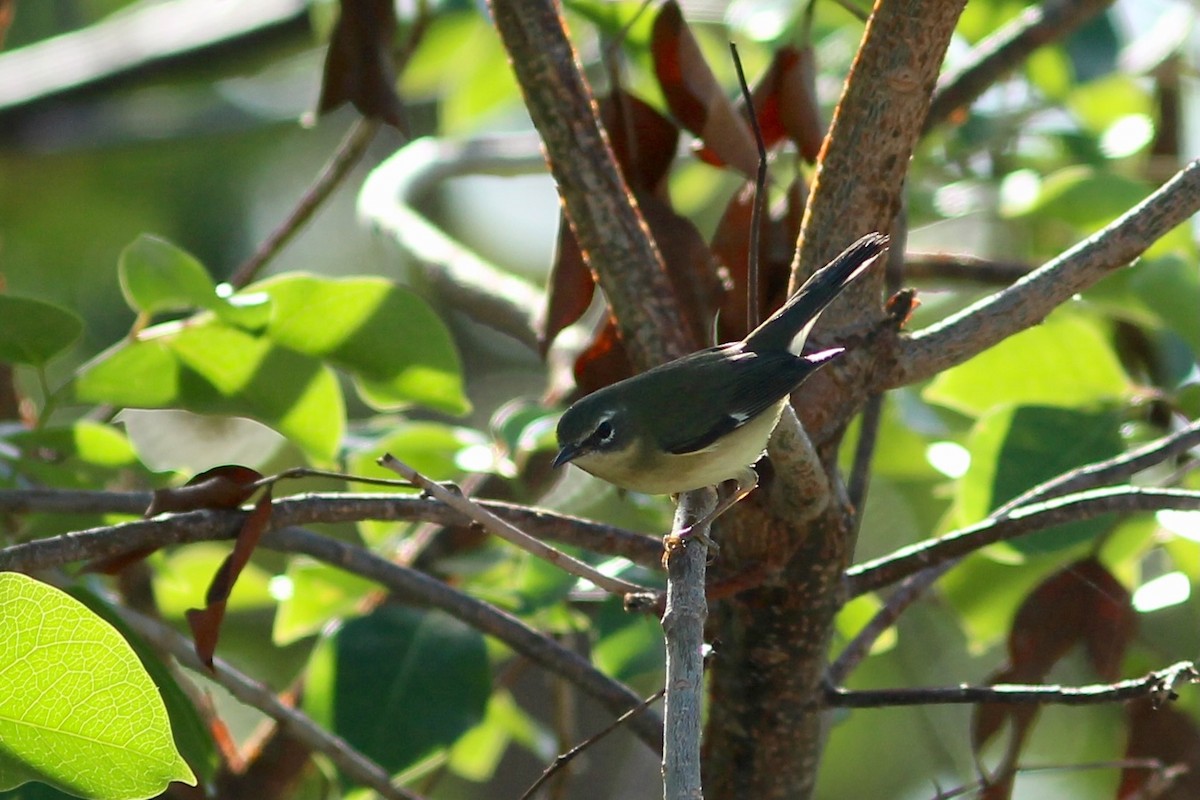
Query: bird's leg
{"x": 747, "y": 480}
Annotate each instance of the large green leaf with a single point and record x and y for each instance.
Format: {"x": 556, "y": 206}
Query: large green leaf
{"x": 192, "y": 735}
{"x": 33, "y": 332}
{"x": 388, "y": 338}
{"x": 210, "y": 368}
{"x": 1016, "y": 448}
{"x": 77, "y": 709}
{"x": 1065, "y": 361}
{"x": 399, "y": 683}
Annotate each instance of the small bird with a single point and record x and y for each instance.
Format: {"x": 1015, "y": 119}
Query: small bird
{"x": 703, "y": 419}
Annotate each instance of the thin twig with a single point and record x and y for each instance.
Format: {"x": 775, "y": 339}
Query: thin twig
{"x": 872, "y": 575}
{"x": 509, "y": 532}
{"x": 1085, "y": 477}
{"x": 348, "y": 153}
{"x": 1166, "y": 772}
{"x": 1003, "y": 50}
{"x": 408, "y": 585}
{"x": 565, "y": 758}
{"x": 1108, "y": 471}
{"x": 958, "y": 267}
{"x": 760, "y": 197}
{"x": 864, "y": 451}
{"x": 1160, "y": 685}
{"x": 327, "y": 507}
{"x": 353, "y": 764}
{"x": 981, "y": 325}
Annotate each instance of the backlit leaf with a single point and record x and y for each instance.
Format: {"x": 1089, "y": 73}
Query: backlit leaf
{"x": 77, "y": 709}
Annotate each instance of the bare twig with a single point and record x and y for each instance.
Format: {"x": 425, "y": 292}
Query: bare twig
{"x": 760, "y": 197}
{"x": 1165, "y": 774}
{"x": 408, "y": 585}
{"x": 683, "y": 628}
{"x": 1001, "y": 52}
{"x": 351, "y": 762}
{"x": 1085, "y": 477}
{"x": 565, "y": 758}
{"x": 1160, "y": 685}
{"x": 348, "y": 153}
{"x": 1027, "y": 302}
{"x": 316, "y": 507}
{"x": 957, "y": 267}
{"x": 884, "y": 571}
{"x": 509, "y": 532}
{"x": 1108, "y": 471}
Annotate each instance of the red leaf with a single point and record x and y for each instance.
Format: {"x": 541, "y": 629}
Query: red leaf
{"x": 206, "y": 623}
{"x": 777, "y": 246}
{"x": 785, "y": 102}
{"x": 693, "y": 94}
{"x": 643, "y": 141}
{"x": 570, "y": 288}
{"x": 358, "y": 66}
{"x": 796, "y": 101}
{"x": 690, "y": 265}
{"x": 1170, "y": 736}
{"x": 605, "y": 361}
{"x": 1080, "y": 601}
{"x": 220, "y": 487}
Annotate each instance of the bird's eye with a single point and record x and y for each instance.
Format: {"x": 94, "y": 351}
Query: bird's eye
{"x": 604, "y": 431}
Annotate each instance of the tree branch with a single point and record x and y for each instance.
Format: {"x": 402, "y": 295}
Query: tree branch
{"x": 683, "y": 628}
{"x": 1006, "y": 49}
{"x": 313, "y": 507}
{"x": 881, "y": 572}
{"x": 1160, "y": 684}
{"x": 1076, "y": 480}
{"x": 604, "y": 216}
{"x": 509, "y": 532}
{"x": 408, "y": 585}
{"x": 457, "y": 275}
{"x": 1028, "y": 301}
{"x": 353, "y": 764}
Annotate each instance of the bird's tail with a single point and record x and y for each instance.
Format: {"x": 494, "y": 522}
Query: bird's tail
{"x": 788, "y": 327}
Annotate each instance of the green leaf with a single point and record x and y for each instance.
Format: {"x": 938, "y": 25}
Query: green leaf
{"x": 1065, "y": 361}
{"x": 211, "y": 368}
{"x": 1014, "y": 449}
{"x": 855, "y": 615}
{"x": 1085, "y": 197}
{"x": 388, "y": 338}
{"x": 319, "y": 593}
{"x": 1170, "y": 288}
{"x": 191, "y": 732}
{"x": 399, "y": 683}
{"x": 77, "y": 709}
{"x": 83, "y": 454}
{"x": 33, "y": 332}
{"x": 626, "y": 646}
{"x": 477, "y": 754}
{"x": 156, "y": 276}
{"x": 182, "y": 576}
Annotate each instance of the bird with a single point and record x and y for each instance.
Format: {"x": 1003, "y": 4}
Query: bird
{"x": 705, "y": 418}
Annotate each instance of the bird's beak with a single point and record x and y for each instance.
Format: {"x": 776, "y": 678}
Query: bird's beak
{"x": 566, "y": 453}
